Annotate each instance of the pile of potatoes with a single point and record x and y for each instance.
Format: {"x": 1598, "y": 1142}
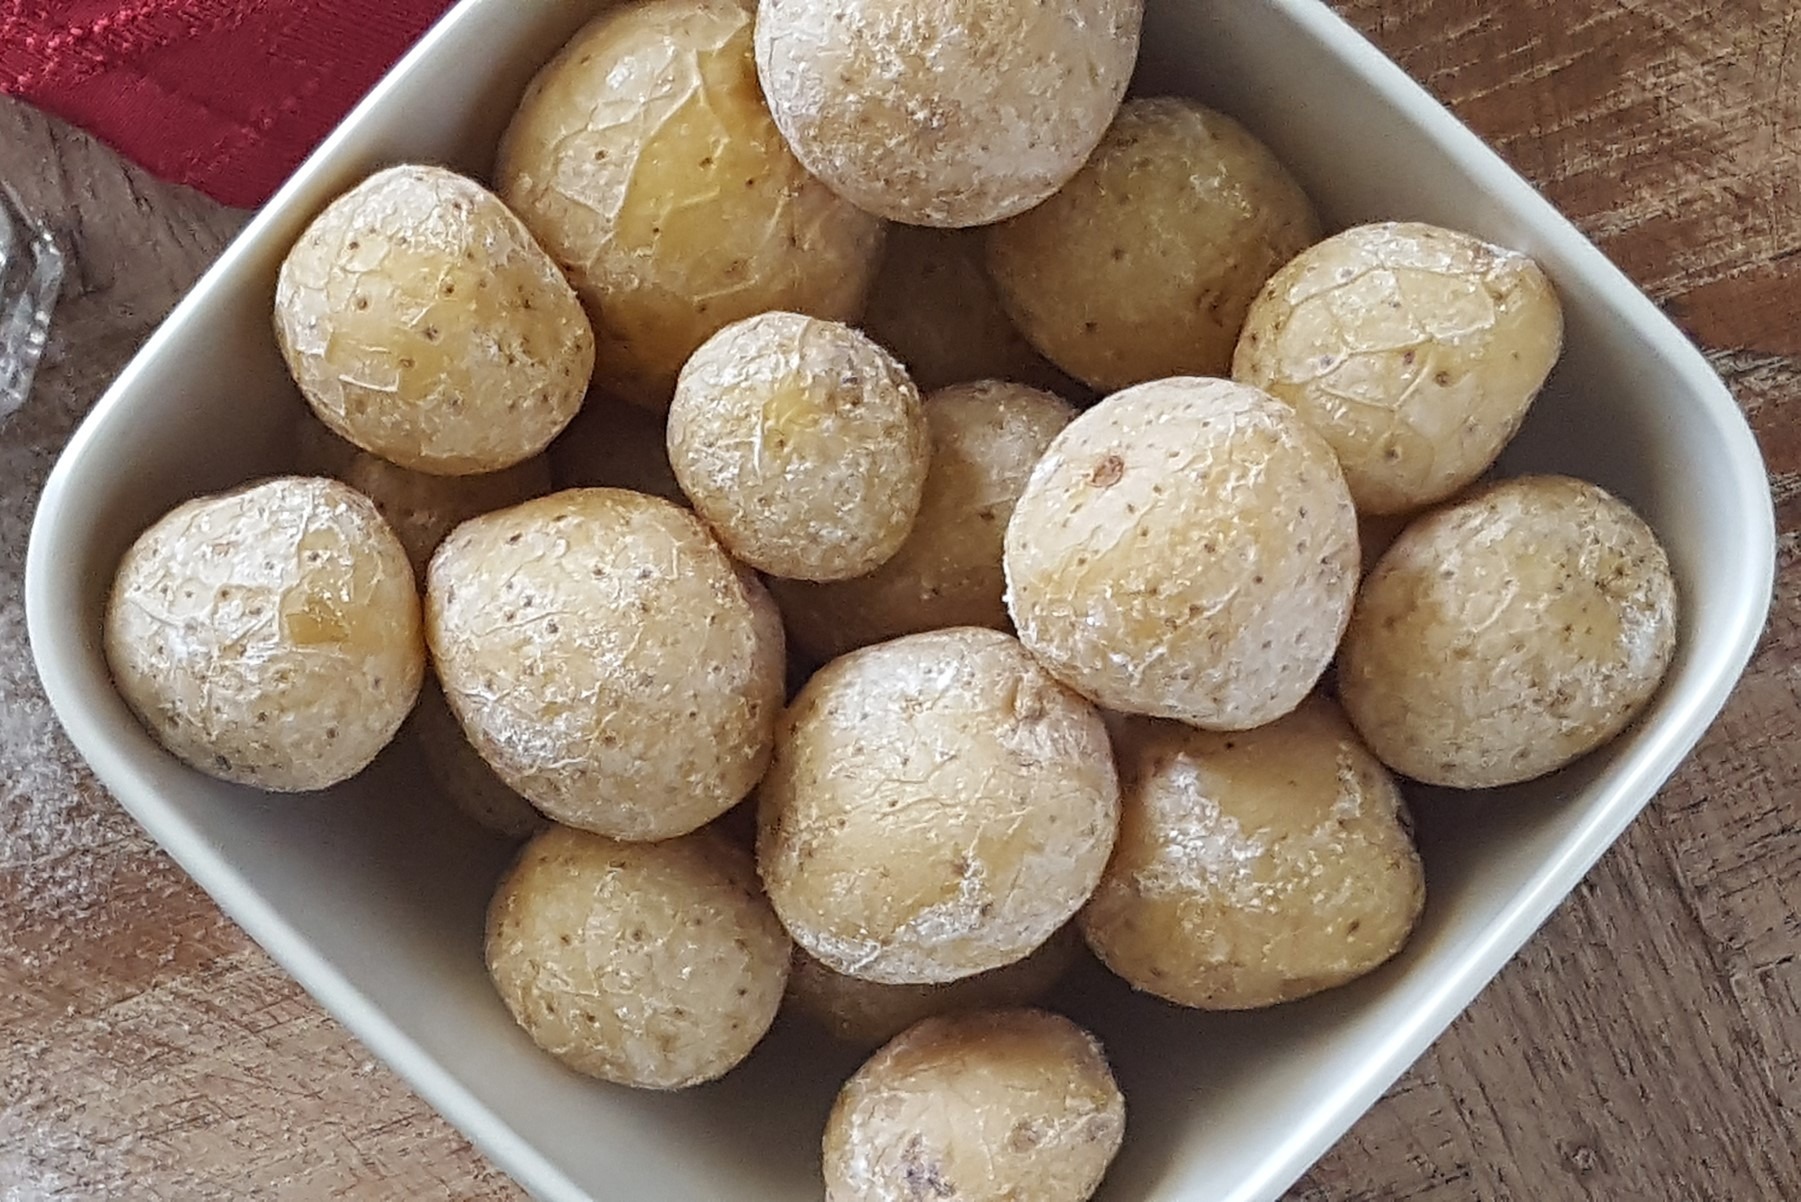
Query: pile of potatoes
{"x": 709, "y": 454}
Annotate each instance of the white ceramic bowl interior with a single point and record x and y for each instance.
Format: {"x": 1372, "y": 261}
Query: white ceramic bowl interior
{"x": 373, "y": 899}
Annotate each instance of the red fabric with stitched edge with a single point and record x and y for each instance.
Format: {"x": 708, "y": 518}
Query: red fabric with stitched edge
{"x": 225, "y": 95}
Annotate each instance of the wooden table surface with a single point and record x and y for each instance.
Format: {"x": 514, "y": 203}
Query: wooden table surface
{"x": 1646, "y": 1045}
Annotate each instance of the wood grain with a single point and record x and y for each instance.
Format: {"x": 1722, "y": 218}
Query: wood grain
{"x": 1646, "y": 1045}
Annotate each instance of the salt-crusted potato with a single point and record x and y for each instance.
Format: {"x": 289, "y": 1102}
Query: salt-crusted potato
{"x": 951, "y": 113}
{"x": 644, "y": 159}
{"x": 1146, "y": 263}
{"x": 1414, "y": 350}
{"x": 1186, "y": 549}
{"x": 995, "y": 1106}
{"x": 611, "y": 444}
{"x": 421, "y": 508}
{"x": 802, "y": 444}
{"x": 934, "y": 306}
{"x": 985, "y": 437}
{"x": 608, "y": 660}
{"x": 1504, "y": 636}
{"x": 866, "y": 1014}
{"x": 656, "y": 965}
{"x": 460, "y": 773}
{"x": 937, "y": 807}
{"x": 423, "y": 323}
{"x": 270, "y": 635}
{"x": 1253, "y": 867}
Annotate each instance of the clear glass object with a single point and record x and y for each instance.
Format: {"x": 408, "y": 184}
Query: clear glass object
{"x": 31, "y": 269}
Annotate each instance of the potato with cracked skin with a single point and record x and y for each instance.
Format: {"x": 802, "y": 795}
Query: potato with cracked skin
{"x": 608, "y": 659}
{"x": 421, "y": 508}
{"x": 611, "y": 444}
{"x": 934, "y": 306}
{"x": 950, "y": 113}
{"x": 866, "y": 1014}
{"x": 1145, "y": 265}
{"x": 1253, "y": 867}
{"x": 269, "y": 636}
{"x": 802, "y": 444}
{"x": 986, "y": 437}
{"x": 1509, "y": 634}
{"x": 1186, "y": 549}
{"x": 654, "y": 965}
{"x": 423, "y": 323}
{"x": 1415, "y": 350}
{"x": 937, "y": 806}
{"x": 994, "y": 1106}
{"x": 645, "y": 160}
{"x": 463, "y": 777}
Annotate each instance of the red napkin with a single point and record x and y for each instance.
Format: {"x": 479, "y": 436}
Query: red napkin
{"x": 225, "y": 95}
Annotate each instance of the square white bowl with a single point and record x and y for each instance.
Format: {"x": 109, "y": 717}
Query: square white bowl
{"x": 373, "y": 900}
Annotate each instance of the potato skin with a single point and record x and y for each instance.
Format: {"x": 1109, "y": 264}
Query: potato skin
{"x": 460, "y": 773}
{"x": 986, "y": 437}
{"x": 866, "y": 1014}
{"x": 423, "y": 323}
{"x": 1415, "y": 350}
{"x": 645, "y": 160}
{"x": 994, "y": 1106}
{"x": 1254, "y": 867}
{"x": 1186, "y": 549}
{"x": 269, "y": 636}
{"x": 802, "y": 444}
{"x": 655, "y": 965}
{"x": 608, "y": 660}
{"x": 953, "y": 113}
{"x": 1146, "y": 263}
{"x": 937, "y": 807}
{"x": 1509, "y": 634}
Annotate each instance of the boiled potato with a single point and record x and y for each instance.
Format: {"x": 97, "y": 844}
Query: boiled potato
{"x": 1254, "y": 867}
{"x": 269, "y": 636}
{"x": 465, "y": 779}
{"x": 937, "y": 807}
{"x": 995, "y": 1106}
{"x": 608, "y": 659}
{"x": 424, "y": 324}
{"x": 864, "y": 1013}
{"x": 1146, "y": 263}
{"x": 1186, "y": 549}
{"x": 934, "y": 306}
{"x": 985, "y": 439}
{"x": 645, "y": 160}
{"x": 1414, "y": 350}
{"x": 656, "y": 965}
{"x": 802, "y": 444}
{"x": 421, "y": 508}
{"x": 611, "y": 444}
{"x": 1504, "y": 636}
{"x": 949, "y": 112}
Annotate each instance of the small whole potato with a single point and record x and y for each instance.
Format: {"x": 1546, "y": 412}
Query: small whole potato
{"x": 269, "y": 636}
{"x": 1509, "y": 634}
{"x": 937, "y": 807}
{"x": 465, "y": 779}
{"x": 994, "y": 1106}
{"x": 866, "y": 1014}
{"x": 1414, "y": 350}
{"x": 645, "y": 160}
{"x": 655, "y": 965}
{"x": 421, "y": 508}
{"x": 1145, "y": 265}
{"x": 1186, "y": 549}
{"x": 611, "y": 444}
{"x": 1254, "y": 867}
{"x": 934, "y": 306}
{"x": 608, "y": 660}
{"x": 985, "y": 439}
{"x": 423, "y": 323}
{"x": 950, "y": 112}
{"x": 802, "y": 444}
